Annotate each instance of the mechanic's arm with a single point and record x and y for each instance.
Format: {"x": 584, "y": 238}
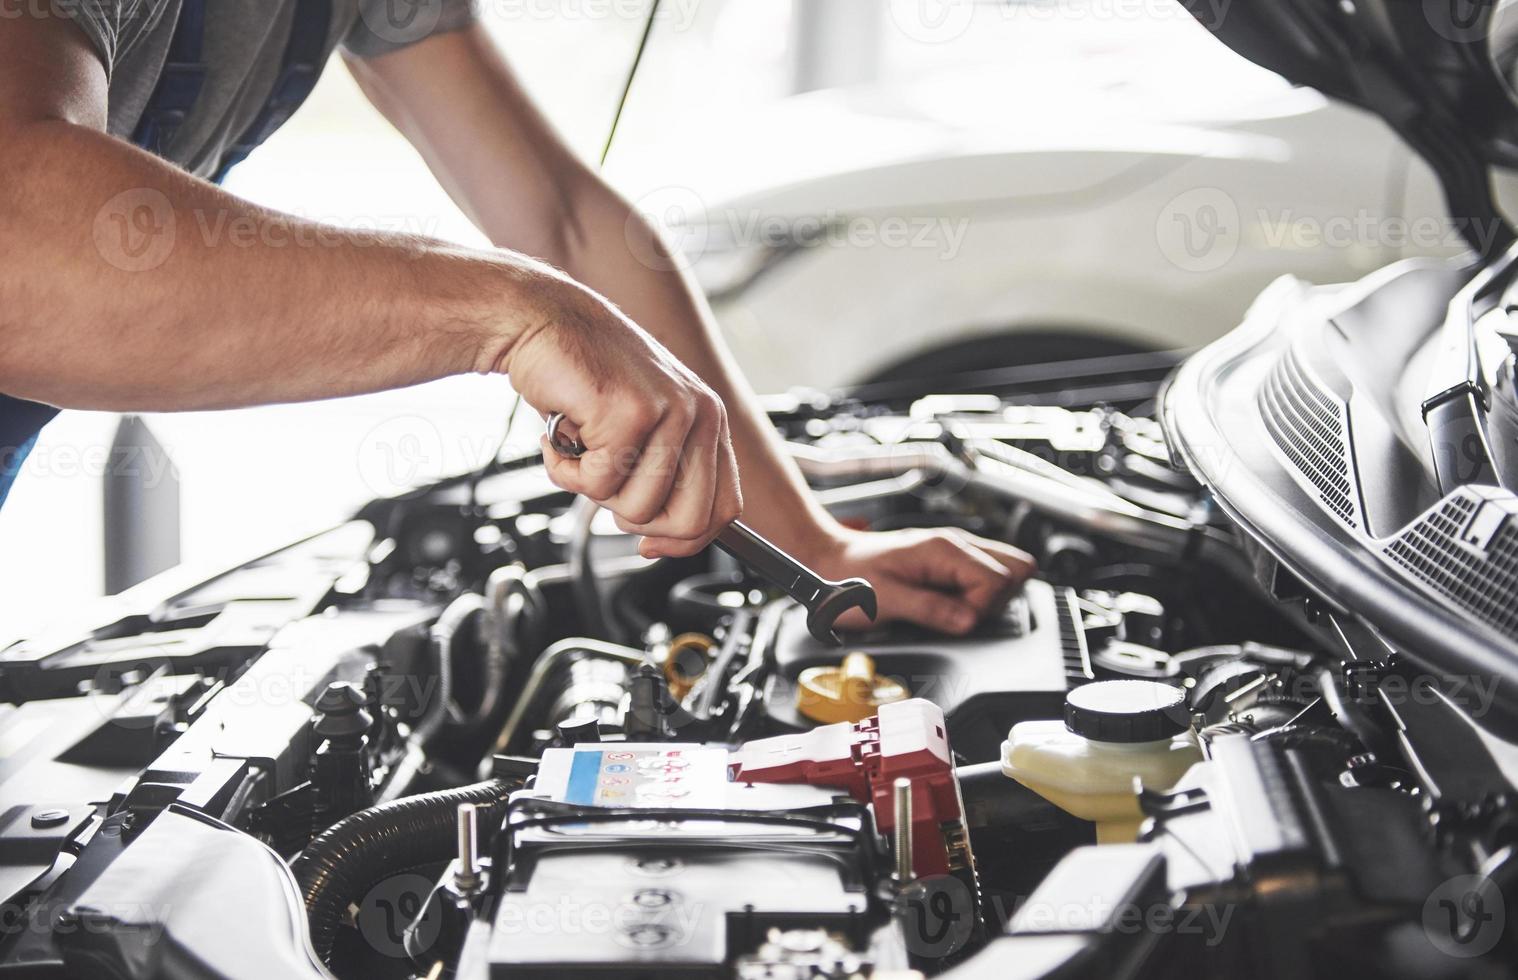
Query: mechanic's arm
{"x": 126, "y": 284}
{"x": 458, "y": 102}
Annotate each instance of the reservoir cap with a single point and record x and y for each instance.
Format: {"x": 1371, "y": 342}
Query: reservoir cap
{"x": 1126, "y": 711}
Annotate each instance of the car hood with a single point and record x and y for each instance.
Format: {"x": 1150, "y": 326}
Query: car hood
{"x": 1417, "y": 63}
{"x": 1428, "y": 67}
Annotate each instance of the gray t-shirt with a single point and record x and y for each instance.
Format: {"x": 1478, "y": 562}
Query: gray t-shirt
{"x": 243, "y": 48}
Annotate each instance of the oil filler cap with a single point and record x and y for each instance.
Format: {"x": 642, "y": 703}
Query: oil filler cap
{"x": 1126, "y": 711}
{"x": 852, "y": 691}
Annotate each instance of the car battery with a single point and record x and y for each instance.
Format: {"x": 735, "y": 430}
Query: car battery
{"x": 647, "y": 860}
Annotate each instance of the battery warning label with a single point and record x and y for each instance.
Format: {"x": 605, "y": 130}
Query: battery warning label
{"x": 653, "y": 776}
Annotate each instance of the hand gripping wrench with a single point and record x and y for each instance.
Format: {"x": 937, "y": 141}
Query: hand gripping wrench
{"x": 823, "y": 599}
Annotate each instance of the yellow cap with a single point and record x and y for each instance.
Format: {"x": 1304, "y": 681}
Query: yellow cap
{"x": 848, "y": 692}
{"x": 688, "y": 657}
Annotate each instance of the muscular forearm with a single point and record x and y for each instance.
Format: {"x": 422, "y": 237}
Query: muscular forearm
{"x": 128, "y": 285}
{"x": 459, "y": 103}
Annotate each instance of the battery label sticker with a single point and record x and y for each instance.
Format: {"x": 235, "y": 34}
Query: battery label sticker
{"x": 652, "y": 776}
{"x": 582, "y": 778}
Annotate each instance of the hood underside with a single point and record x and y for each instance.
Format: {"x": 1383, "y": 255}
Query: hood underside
{"x": 1430, "y": 68}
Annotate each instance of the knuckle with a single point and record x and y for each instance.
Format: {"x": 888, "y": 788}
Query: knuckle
{"x": 729, "y": 508}
{"x": 641, "y": 415}
{"x": 708, "y": 404}
{"x": 687, "y": 527}
{"x": 944, "y": 543}
{"x": 600, "y": 485}
{"x": 684, "y": 409}
{"x": 641, "y": 512}
{"x": 563, "y": 476}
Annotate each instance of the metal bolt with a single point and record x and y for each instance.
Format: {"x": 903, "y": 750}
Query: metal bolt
{"x": 649, "y": 935}
{"x": 49, "y": 818}
{"x": 653, "y": 898}
{"x": 902, "y": 797}
{"x": 467, "y": 877}
{"x": 656, "y": 866}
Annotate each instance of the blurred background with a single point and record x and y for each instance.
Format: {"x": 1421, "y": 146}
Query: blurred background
{"x": 1012, "y": 125}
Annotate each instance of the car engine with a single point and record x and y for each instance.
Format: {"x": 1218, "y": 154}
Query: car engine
{"x": 473, "y": 734}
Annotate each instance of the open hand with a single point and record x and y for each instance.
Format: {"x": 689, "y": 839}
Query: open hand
{"x": 945, "y": 579}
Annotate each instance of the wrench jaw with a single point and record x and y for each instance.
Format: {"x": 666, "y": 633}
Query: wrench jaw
{"x": 853, "y": 593}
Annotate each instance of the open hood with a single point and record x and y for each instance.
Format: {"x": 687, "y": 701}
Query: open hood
{"x": 1430, "y": 68}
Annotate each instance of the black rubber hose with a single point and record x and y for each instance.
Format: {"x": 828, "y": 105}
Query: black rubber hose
{"x": 353, "y": 855}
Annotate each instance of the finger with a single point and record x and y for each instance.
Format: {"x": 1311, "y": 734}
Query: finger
{"x": 563, "y": 471}
{"x": 594, "y": 475}
{"x": 933, "y": 609}
{"x": 727, "y": 506}
{"x": 948, "y": 563}
{"x": 686, "y": 513}
{"x": 1016, "y": 561}
{"x": 645, "y": 494}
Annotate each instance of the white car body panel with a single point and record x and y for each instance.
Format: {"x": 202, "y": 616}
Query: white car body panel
{"x": 1067, "y": 216}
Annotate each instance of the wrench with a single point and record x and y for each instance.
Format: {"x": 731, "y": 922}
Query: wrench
{"x": 823, "y": 599}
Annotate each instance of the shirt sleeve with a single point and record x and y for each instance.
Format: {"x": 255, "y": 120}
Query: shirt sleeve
{"x": 384, "y": 26}
{"x": 101, "y": 22}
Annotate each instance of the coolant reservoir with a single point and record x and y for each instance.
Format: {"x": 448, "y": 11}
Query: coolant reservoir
{"x": 1112, "y": 732}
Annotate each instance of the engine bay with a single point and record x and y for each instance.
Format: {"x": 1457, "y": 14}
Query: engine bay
{"x": 473, "y": 734}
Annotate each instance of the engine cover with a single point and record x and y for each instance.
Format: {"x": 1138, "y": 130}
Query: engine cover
{"x": 1009, "y": 670}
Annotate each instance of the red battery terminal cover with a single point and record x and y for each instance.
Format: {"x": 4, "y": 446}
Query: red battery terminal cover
{"x": 907, "y": 738}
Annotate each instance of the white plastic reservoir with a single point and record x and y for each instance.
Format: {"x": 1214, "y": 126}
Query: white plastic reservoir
{"x": 1113, "y": 731}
